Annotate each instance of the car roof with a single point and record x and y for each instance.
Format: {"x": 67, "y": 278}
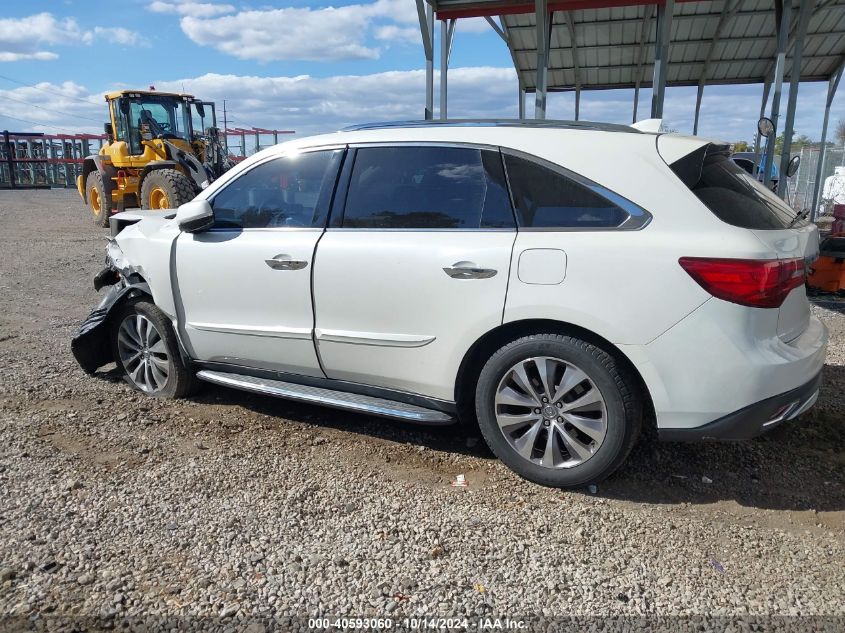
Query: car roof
{"x": 524, "y": 123}
{"x": 515, "y": 134}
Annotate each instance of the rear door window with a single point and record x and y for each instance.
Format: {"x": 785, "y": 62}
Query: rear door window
{"x": 545, "y": 198}
{"x": 734, "y": 195}
{"x": 427, "y": 187}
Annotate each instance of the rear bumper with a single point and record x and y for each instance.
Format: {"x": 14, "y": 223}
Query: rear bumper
{"x": 723, "y": 360}
{"x": 752, "y": 420}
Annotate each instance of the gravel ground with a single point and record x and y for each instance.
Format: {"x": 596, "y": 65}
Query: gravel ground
{"x": 230, "y": 505}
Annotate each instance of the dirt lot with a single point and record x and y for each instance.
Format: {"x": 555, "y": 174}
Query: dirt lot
{"x": 229, "y": 505}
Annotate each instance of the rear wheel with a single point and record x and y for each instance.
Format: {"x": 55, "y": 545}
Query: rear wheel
{"x": 95, "y": 191}
{"x": 166, "y": 189}
{"x": 145, "y": 348}
{"x": 558, "y": 410}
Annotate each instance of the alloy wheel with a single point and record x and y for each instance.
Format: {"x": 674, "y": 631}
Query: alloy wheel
{"x": 143, "y": 353}
{"x": 94, "y": 196}
{"x": 159, "y": 199}
{"x": 551, "y": 412}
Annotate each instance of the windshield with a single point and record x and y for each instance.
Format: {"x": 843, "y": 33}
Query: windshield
{"x": 157, "y": 117}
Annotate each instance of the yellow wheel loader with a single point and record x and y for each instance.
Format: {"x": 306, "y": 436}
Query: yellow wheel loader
{"x": 163, "y": 149}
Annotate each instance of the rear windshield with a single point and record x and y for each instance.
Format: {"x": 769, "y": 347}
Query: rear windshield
{"x": 731, "y": 193}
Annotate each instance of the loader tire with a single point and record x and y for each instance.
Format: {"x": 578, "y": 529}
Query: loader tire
{"x": 166, "y": 189}
{"x": 95, "y": 193}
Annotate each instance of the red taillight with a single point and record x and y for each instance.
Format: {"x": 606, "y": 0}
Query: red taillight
{"x": 758, "y": 283}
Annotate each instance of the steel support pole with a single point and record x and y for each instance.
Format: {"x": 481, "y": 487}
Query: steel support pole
{"x": 429, "y": 66}
{"x": 661, "y": 57}
{"x": 543, "y": 36}
{"x": 645, "y": 27}
{"x": 767, "y": 86}
{"x": 521, "y": 103}
{"x": 425, "y": 14}
{"x": 577, "y": 103}
{"x": 780, "y": 63}
{"x": 832, "y": 86}
{"x": 805, "y": 11}
{"x": 10, "y": 158}
{"x": 447, "y": 30}
{"x": 573, "y": 47}
{"x": 698, "y": 98}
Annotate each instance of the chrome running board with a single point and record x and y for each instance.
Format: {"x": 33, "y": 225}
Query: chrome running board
{"x": 328, "y": 398}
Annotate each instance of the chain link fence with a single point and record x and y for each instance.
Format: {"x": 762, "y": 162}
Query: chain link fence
{"x": 802, "y": 184}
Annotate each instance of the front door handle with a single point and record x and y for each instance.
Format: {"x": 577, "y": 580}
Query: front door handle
{"x": 284, "y": 262}
{"x": 468, "y": 270}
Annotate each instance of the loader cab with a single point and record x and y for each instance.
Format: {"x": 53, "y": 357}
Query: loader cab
{"x": 138, "y": 117}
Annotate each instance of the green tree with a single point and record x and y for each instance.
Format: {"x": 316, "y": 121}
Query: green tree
{"x": 840, "y": 132}
{"x": 798, "y": 141}
{"x": 741, "y": 146}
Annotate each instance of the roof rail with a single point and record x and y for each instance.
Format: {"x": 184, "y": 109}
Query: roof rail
{"x": 527, "y": 123}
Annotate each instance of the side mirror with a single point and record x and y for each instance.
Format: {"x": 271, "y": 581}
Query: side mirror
{"x": 195, "y": 216}
{"x": 792, "y": 167}
{"x": 200, "y": 109}
{"x": 109, "y": 130}
{"x": 765, "y": 127}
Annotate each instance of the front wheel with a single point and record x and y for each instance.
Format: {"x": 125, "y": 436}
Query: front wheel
{"x": 166, "y": 189}
{"x": 558, "y": 410}
{"x": 145, "y": 349}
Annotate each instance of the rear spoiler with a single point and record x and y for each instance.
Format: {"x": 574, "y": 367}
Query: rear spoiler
{"x": 648, "y": 125}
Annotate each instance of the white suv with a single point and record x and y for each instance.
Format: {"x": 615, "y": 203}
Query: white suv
{"x": 560, "y": 282}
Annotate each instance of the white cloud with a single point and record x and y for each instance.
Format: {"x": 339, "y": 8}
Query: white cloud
{"x": 68, "y": 106}
{"x": 120, "y": 35}
{"x": 191, "y": 8}
{"x": 394, "y": 32}
{"x": 304, "y": 33}
{"x": 273, "y": 34}
{"x": 16, "y": 57}
{"x": 319, "y": 104}
{"x": 24, "y": 38}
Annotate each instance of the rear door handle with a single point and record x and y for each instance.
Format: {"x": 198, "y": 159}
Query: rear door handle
{"x": 284, "y": 262}
{"x": 468, "y": 270}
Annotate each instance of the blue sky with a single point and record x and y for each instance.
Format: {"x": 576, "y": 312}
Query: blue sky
{"x": 308, "y": 66}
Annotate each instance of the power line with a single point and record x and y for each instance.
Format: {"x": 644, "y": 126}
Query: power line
{"x": 53, "y": 92}
{"x": 32, "y": 105}
{"x": 55, "y": 127}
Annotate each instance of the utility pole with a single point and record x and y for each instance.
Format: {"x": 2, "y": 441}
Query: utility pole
{"x": 225, "y": 129}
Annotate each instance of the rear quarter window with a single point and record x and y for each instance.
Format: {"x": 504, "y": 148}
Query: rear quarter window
{"x": 546, "y": 198}
{"x": 732, "y": 194}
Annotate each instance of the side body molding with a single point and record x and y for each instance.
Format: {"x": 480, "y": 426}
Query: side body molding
{"x": 373, "y": 338}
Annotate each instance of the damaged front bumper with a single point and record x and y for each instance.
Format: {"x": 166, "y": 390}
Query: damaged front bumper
{"x": 92, "y": 345}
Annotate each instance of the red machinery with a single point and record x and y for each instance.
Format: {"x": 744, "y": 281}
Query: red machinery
{"x": 827, "y": 273}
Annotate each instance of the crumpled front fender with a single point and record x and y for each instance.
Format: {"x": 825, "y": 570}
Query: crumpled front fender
{"x": 91, "y": 346}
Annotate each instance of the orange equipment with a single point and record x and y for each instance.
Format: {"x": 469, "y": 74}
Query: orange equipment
{"x": 827, "y": 273}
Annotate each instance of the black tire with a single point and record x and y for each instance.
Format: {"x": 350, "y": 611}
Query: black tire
{"x": 95, "y": 194}
{"x": 180, "y": 378}
{"x": 623, "y": 404}
{"x": 173, "y": 184}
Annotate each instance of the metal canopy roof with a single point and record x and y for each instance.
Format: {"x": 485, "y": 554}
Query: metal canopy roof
{"x": 597, "y": 48}
{"x": 563, "y": 45}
